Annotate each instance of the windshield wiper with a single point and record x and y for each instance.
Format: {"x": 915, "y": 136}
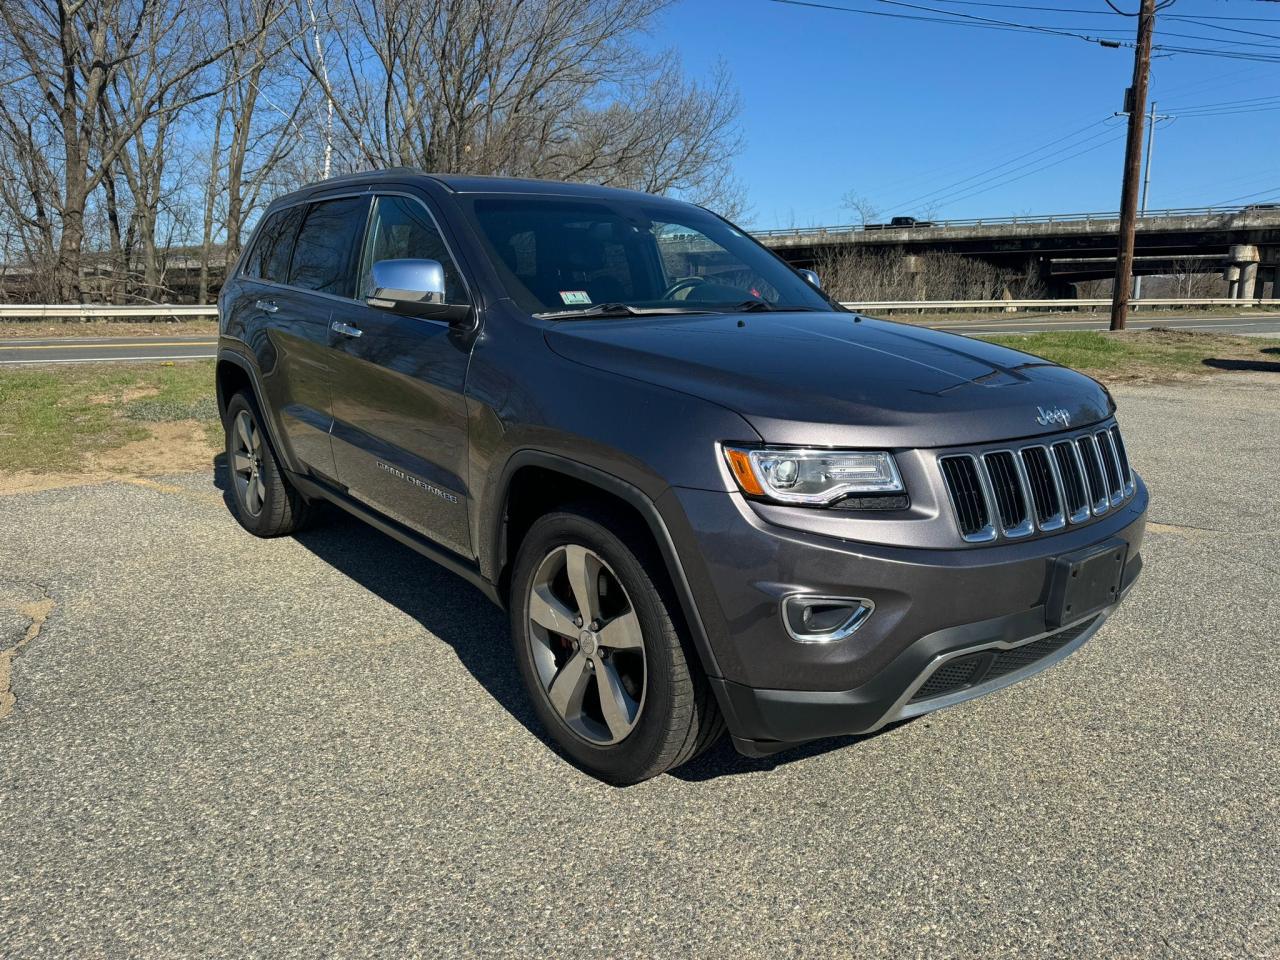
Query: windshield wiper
{"x": 753, "y": 306}
{"x": 615, "y": 310}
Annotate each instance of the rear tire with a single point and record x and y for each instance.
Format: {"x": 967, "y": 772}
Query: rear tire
{"x": 626, "y": 698}
{"x": 263, "y": 500}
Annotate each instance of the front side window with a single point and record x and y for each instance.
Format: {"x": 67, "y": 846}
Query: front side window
{"x": 402, "y": 229}
{"x": 324, "y": 255}
{"x": 556, "y": 254}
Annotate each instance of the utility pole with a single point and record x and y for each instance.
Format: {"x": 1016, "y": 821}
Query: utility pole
{"x": 1146, "y": 183}
{"x": 1132, "y": 167}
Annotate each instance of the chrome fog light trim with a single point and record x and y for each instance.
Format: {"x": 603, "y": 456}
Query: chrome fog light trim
{"x": 815, "y": 619}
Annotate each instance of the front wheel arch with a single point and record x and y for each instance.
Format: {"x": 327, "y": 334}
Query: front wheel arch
{"x": 534, "y": 482}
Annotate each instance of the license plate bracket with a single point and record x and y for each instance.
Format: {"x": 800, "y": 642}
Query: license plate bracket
{"x": 1085, "y": 582}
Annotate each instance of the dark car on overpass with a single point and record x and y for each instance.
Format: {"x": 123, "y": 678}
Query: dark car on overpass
{"x": 707, "y": 494}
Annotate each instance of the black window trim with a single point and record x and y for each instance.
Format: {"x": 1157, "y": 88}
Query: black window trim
{"x": 373, "y": 192}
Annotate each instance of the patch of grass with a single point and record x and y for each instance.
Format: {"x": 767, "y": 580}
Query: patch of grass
{"x": 1145, "y": 354}
{"x": 54, "y": 419}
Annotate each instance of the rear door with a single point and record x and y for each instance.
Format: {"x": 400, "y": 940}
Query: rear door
{"x": 400, "y": 420}
{"x": 288, "y": 333}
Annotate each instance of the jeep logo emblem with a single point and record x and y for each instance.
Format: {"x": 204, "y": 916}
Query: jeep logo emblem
{"x": 1047, "y": 418}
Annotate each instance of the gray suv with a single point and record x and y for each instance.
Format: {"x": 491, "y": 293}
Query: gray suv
{"x": 708, "y": 495}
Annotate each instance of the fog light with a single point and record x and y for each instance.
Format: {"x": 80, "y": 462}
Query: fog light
{"x": 811, "y": 619}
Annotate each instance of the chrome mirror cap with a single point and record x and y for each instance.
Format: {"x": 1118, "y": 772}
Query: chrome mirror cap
{"x": 406, "y": 282}
{"x": 812, "y": 277}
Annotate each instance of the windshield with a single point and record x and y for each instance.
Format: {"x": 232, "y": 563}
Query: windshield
{"x": 564, "y": 256}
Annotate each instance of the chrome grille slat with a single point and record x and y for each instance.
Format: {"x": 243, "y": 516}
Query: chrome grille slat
{"x": 1110, "y": 466}
{"x": 969, "y": 497}
{"x": 1126, "y": 471}
{"x": 1071, "y": 471}
{"x": 1046, "y": 487}
{"x": 1014, "y": 492}
{"x": 1092, "y": 460}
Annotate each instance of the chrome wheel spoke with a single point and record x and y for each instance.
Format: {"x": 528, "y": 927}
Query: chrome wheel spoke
{"x": 567, "y": 689}
{"x": 260, "y": 488}
{"x": 579, "y": 617}
{"x": 245, "y": 429}
{"x": 618, "y": 709}
{"x": 242, "y": 464}
{"x": 622, "y": 633}
{"x": 549, "y": 613}
{"x": 583, "y": 568}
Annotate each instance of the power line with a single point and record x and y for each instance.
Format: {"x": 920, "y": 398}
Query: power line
{"x": 948, "y": 188}
{"x": 1004, "y": 182}
{"x": 953, "y": 18}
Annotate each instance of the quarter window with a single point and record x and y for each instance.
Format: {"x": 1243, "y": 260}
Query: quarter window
{"x": 269, "y": 257}
{"x": 402, "y": 229}
{"x": 324, "y": 255}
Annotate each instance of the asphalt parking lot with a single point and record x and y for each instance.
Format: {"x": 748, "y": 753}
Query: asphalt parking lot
{"x": 318, "y": 747}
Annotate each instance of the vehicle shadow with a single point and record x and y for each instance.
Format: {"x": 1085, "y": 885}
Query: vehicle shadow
{"x": 444, "y": 604}
{"x": 450, "y": 608}
{"x": 723, "y": 760}
{"x": 1261, "y": 366}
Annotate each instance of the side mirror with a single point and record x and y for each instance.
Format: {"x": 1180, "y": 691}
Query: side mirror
{"x": 415, "y": 288}
{"x": 811, "y": 278}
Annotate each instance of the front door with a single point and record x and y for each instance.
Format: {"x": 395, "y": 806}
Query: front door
{"x": 400, "y": 419}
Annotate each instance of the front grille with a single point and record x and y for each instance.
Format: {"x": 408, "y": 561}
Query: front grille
{"x": 1044, "y": 486}
{"x": 973, "y": 669}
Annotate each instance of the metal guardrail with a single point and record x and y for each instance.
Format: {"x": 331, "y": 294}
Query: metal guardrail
{"x": 1013, "y": 306}
{"x": 63, "y": 311}
{"x": 1098, "y": 217}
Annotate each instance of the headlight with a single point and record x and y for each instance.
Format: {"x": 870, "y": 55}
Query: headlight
{"x": 813, "y": 477}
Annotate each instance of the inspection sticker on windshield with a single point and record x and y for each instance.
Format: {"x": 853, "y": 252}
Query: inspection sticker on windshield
{"x": 575, "y": 296}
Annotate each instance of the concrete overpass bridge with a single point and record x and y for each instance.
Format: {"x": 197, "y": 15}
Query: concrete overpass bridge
{"x": 1242, "y": 243}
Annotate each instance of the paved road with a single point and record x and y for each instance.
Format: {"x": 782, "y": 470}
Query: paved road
{"x": 104, "y": 349}
{"x": 108, "y": 349}
{"x": 318, "y": 747}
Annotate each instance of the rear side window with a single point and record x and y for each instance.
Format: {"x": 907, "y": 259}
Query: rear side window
{"x": 402, "y": 229}
{"x": 269, "y": 258}
{"x": 324, "y": 256}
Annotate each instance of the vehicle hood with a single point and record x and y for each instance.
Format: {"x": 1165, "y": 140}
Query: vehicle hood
{"x": 829, "y": 379}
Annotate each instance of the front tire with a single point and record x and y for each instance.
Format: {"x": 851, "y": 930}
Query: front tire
{"x": 597, "y": 644}
{"x": 263, "y": 500}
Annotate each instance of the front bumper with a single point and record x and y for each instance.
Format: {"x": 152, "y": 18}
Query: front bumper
{"x": 982, "y": 608}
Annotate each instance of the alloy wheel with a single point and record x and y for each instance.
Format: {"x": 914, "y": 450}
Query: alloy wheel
{"x": 587, "y": 645}
{"x": 246, "y": 462}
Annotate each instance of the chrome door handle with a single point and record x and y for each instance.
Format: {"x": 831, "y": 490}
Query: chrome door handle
{"x": 266, "y": 306}
{"x": 346, "y": 329}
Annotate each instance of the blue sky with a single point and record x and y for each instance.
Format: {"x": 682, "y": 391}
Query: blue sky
{"x": 897, "y": 110}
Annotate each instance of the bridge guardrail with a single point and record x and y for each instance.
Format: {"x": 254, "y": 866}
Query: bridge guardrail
{"x": 1100, "y": 217}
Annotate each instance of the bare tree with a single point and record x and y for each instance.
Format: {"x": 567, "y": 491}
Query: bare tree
{"x": 66, "y": 54}
{"x": 552, "y": 89}
{"x": 863, "y": 208}
{"x": 860, "y": 276}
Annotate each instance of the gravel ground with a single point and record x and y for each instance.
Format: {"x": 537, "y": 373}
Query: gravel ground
{"x": 315, "y": 747}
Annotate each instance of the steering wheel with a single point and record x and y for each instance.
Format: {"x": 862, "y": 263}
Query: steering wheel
{"x": 687, "y": 283}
